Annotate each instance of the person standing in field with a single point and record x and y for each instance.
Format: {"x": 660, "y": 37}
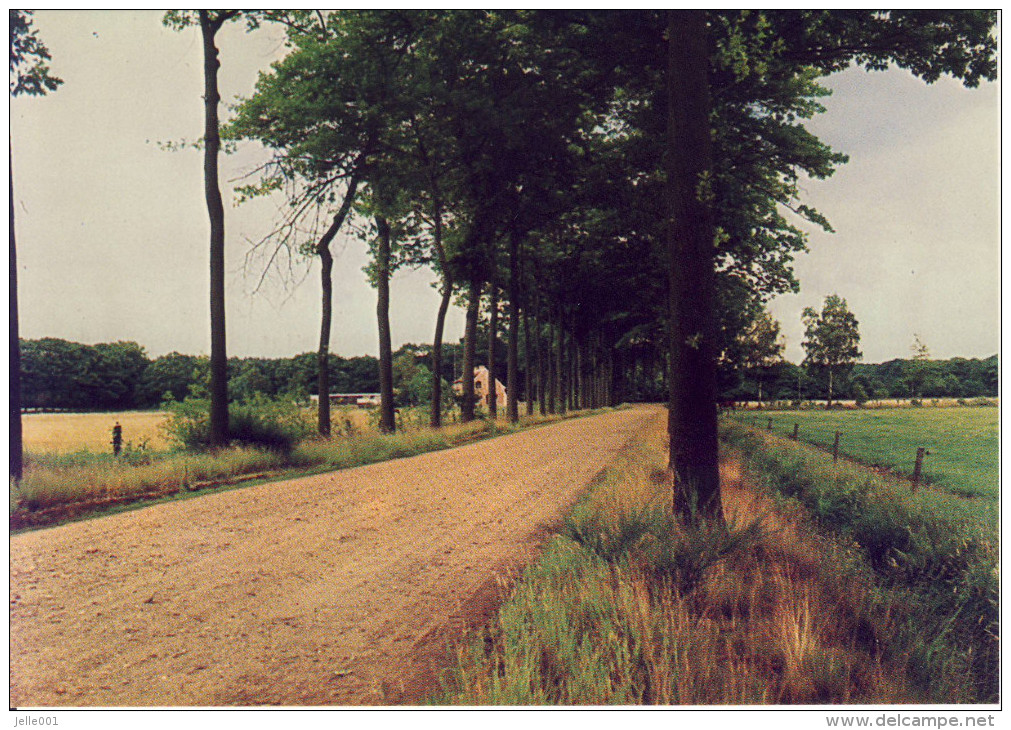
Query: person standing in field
{"x": 117, "y": 439}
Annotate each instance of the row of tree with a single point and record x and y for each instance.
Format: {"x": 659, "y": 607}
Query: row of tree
{"x": 866, "y": 382}
{"x": 623, "y": 185}
{"x": 57, "y": 374}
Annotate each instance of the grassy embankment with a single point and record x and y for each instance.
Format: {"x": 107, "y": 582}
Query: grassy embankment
{"x": 832, "y": 586}
{"x": 59, "y": 486}
{"x": 962, "y": 443}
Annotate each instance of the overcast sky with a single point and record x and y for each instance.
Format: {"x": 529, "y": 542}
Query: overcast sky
{"x": 113, "y": 234}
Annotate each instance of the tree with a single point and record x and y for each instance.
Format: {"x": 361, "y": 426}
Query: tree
{"x": 320, "y": 155}
{"x": 766, "y": 50}
{"x": 691, "y": 270}
{"x": 168, "y": 377}
{"x": 919, "y": 370}
{"x": 387, "y": 421}
{"x": 763, "y": 347}
{"x": 831, "y": 338}
{"x": 210, "y": 22}
{"x": 29, "y": 74}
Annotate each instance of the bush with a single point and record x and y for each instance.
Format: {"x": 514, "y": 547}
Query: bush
{"x": 984, "y": 402}
{"x": 275, "y": 424}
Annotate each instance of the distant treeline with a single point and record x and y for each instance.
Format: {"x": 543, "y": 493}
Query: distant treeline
{"x": 57, "y": 374}
{"x": 120, "y": 376}
{"x": 958, "y": 377}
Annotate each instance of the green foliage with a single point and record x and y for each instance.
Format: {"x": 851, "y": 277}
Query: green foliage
{"x": 831, "y": 336}
{"x": 276, "y": 424}
{"x": 61, "y": 374}
{"x": 119, "y": 376}
{"x": 29, "y": 70}
{"x": 859, "y": 393}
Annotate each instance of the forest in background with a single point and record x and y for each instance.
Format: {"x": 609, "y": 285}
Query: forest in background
{"x": 58, "y": 374}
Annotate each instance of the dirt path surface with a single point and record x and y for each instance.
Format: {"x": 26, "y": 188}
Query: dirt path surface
{"x": 342, "y": 588}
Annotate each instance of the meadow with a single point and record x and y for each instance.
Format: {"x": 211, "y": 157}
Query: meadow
{"x": 962, "y": 442}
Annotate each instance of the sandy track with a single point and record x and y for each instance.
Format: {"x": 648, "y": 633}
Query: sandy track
{"x": 343, "y": 588}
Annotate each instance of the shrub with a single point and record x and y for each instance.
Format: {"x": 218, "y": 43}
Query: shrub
{"x": 984, "y": 402}
{"x": 276, "y": 424}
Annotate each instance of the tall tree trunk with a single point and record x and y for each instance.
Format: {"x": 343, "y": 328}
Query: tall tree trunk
{"x": 829, "y": 404}
{"x": 326, "y": 281}
{"x": 512, "y": 364}
{"x": 435, "y": 420}
{"x": 619, "y": 379}
{"x": 16, "y": 445}
{"x": 560, "y": 364}
{"x": 580, "y": 380}
{"x": 323, "y": 356}
{"x": 528, "y": 381}
{"x": 552, "y": 385}
{"x": 469, "y": 351}
{"x": 542, "y": 395}
{"x": 216, "y": 213}
{"x": 692, "y": 423}
{"x": 573, "y": 371}
{"x": 492, "y": 336}
{"x": 440, "y": 320}
{"x": 387, "y": 419}
{"x": 611, "y": 402}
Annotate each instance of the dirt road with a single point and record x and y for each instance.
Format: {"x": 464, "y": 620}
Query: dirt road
{"x": 343, "y": 588}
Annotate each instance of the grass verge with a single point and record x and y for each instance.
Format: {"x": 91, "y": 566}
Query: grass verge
{"x": 627, "y": 607}
{"x": 927, "y": 545}
{"x": 58, "y": 488}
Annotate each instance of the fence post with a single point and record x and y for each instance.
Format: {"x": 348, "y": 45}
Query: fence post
{"x": 796, "y": 430}
{"x": 770, "y": 424}
{"x": 835, "y": 447}
{"x": 918, "y": 466}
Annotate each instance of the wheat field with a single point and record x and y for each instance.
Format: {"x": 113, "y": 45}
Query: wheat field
{"x": 71, "y": 432}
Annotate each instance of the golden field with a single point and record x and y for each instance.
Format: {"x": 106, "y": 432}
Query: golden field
{"x": 65, "y": 433}
{"x": 70, "y": 432}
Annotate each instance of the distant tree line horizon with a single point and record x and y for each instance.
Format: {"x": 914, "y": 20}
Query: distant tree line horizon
{"x": 66, "y": 375}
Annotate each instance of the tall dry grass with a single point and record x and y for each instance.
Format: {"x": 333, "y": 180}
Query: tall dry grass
{"x": 928, "y": 547}
{"x": 628, "y": 607}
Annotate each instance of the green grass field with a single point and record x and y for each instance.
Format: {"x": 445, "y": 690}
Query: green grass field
{"x": 963, "y": 442}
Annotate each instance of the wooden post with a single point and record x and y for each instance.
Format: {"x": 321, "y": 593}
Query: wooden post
{"x": 770, "y": 424}
{"x": 796, "y": 431}
{"x": 918, "y": 466}
{"x": 835, "y": 447}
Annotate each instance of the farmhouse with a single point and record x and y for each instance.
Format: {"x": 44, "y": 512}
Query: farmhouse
{"x": 481, "y": 389}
